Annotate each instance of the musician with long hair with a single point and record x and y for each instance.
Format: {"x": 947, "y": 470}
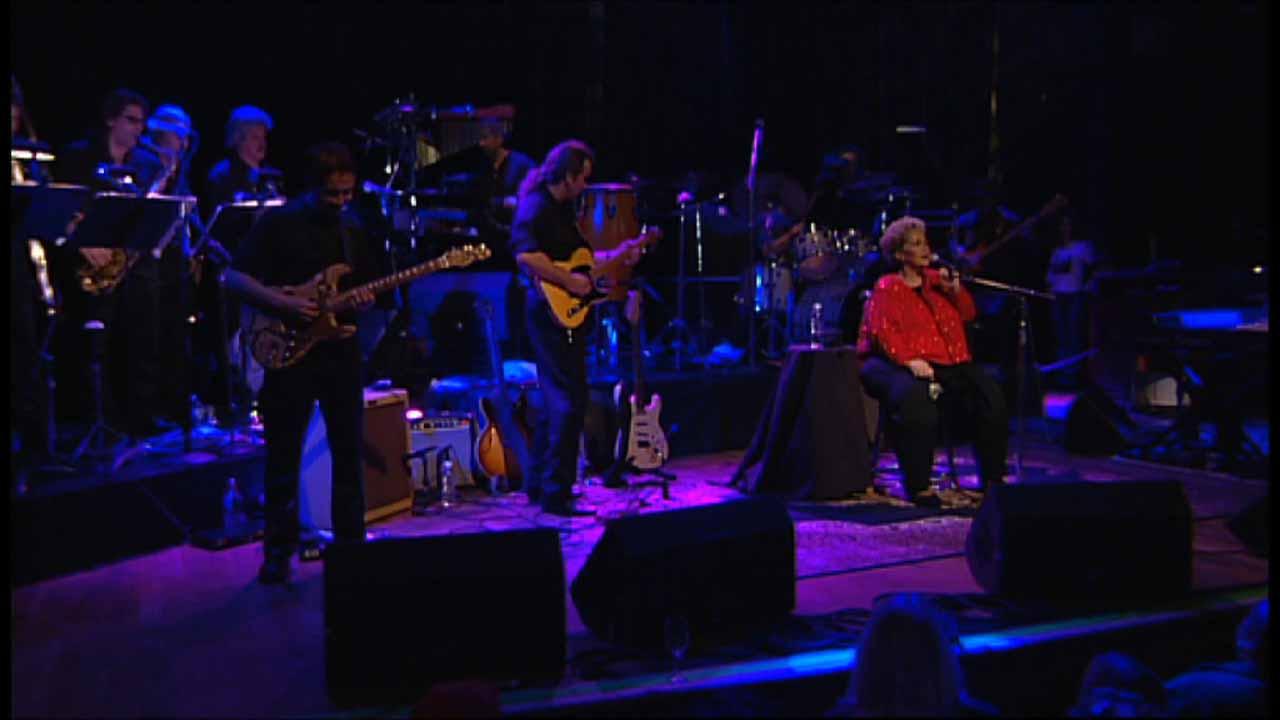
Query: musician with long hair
{"x": 289, "y": 246}
{"x": 913, "y": 350}
{"x": 545, "y": 231}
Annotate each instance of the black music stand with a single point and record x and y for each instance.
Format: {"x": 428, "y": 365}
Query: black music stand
{"x": 230, "y": 224}
{"x": 45, "y": 210}
{"x": 128, "y": 222}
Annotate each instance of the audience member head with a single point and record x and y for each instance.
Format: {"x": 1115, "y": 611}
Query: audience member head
{"x": 125, "y": 114}
{"x": 1116, "y": 685}
{"x": 567, "y": 166}
{"x": 907, "y": 661}
{"x": 247, "y": 134}
{"x": 1252, "y": 643}
{"x": 331, "y": 174}
{"x": 459, "y": 699}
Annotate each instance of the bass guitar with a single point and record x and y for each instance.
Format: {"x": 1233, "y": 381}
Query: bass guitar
{"x": 494, "y": 453}
{"x": 641, "y": 443}
{"x": 609, "y": 280}
{"x": 277, "y": 343}
{"x": 971, "y": 259}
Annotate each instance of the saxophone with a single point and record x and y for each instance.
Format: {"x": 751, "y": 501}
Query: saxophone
{"x": 101, "y": 279}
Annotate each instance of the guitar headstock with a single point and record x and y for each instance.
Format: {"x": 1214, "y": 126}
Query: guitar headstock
{"x": 463, "y": 256}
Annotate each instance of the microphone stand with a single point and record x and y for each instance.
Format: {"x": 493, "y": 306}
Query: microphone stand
{"x": 756, "y": 140}
{"x": 1020, "y": 364}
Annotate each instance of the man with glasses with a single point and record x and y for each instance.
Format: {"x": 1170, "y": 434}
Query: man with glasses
{"x": 108, "y": 161}
{"x": 289, "y": 246}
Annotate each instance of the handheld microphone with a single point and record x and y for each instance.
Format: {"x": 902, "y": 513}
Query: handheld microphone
{"x": 938, "y": 261}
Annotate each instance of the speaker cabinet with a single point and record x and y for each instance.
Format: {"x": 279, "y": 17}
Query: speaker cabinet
{"x": 1083, "y": 544}
{"x": 401, "y": 614}
{"x": 1096, "y": 425}
{"x": 725, "y": 568}
{"x": 387, "y": 488}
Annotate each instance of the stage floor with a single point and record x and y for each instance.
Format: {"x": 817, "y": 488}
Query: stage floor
{"x": 185, "y": 632}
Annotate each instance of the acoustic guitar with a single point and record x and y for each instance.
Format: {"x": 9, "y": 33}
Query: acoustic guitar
{"x": 609, "y": 281}
{"x": 494, "y": 453}
{"x": 971, "y": 259}
{"x": 641, "y": 442}
{"x": 277, "y": 343}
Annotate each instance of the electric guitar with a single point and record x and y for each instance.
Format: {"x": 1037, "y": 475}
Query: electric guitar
{"x": 972, "y": 259}
{"x": 641, "y": 442}
{"x": 609, "y": 281}
{"x": 277, "y": 343}
{"x": 494, "y": 455}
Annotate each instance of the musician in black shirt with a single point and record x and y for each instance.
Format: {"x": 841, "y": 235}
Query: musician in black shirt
{"x": 289, "y": 246}
{"x": 243, "y": 174}
{"x": 128, "y": 311}
{"x": 545, "y": 231}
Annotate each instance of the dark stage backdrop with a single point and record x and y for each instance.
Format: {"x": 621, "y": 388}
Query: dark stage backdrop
{"x": 1154, "y": 119}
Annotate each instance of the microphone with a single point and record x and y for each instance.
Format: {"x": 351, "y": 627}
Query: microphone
{"x": 938, "y": 261}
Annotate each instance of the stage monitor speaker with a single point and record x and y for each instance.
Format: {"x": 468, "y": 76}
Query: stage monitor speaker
{"x": 726, "y": 569}
{"x": 1096, "y": 425}
{"x": 1252, "y": 526}
{"x": 401, "y": 614}
{"x": 1082, "y": 544}
{"x": 387, "y": 488}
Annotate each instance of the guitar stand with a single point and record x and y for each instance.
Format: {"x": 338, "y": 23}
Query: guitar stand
{"x": 613, "y": 477}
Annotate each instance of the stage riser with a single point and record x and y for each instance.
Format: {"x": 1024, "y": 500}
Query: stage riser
{"x": 74, "y": 531}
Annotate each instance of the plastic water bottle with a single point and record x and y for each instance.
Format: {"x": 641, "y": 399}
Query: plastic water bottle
{"x": 234, "y": 518}
{"x": 448, "y": 493}
{"x": 815, "y": 326}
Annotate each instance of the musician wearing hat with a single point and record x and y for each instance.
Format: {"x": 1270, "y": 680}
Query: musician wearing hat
{"x": 164, "y": 152}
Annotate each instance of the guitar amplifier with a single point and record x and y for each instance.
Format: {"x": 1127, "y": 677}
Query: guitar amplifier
{"x": 452, "y": 431}
{"x": 386, "y": 481}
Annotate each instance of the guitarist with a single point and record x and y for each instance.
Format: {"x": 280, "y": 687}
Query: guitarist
{"x": 545, "y": 230}
{"x": 289, "y": 246}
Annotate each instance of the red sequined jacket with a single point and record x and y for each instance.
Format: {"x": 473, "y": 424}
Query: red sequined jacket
{"x": 904, "y": 323}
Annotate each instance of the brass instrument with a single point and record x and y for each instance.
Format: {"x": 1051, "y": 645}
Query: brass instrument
{"x": 104, "y": 278}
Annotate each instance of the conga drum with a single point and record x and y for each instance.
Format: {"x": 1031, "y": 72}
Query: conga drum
{"x": 607, "y": 215}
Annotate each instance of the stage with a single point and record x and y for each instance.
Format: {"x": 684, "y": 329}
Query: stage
{"x": 182, "y": 631}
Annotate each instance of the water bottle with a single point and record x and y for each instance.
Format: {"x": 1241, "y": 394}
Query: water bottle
{"x": 815, "y": 326}
{"x": 234, "y": 518}
{"x": 448, "y": 493}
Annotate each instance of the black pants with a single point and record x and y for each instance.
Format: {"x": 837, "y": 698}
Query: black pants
{"x": 330, "y": 373}
{"x": 132, "y": 369}
{"x": 913, "y": 418}
{"x": 562, "y": 377}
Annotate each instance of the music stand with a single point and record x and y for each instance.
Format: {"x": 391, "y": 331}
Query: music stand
{"x": 43, "y": 212}
{"x": 132, "y": 223}
{"x": 230, "y": 224}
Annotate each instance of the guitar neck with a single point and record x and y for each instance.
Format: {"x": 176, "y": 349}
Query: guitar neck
{"x": 395, "y": 280}
{"x": 637, "y": 364}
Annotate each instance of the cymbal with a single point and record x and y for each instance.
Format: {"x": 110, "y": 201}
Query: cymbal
{"x": 400, "y": 112}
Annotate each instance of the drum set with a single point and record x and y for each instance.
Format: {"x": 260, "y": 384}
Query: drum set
{"x": 808, "y": 290}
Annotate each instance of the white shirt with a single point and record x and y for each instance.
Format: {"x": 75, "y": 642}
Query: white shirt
{"x": 1068, "y": 267}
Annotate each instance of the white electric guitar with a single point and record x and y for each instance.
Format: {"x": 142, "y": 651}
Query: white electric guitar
{"x": 641, "y": 442}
